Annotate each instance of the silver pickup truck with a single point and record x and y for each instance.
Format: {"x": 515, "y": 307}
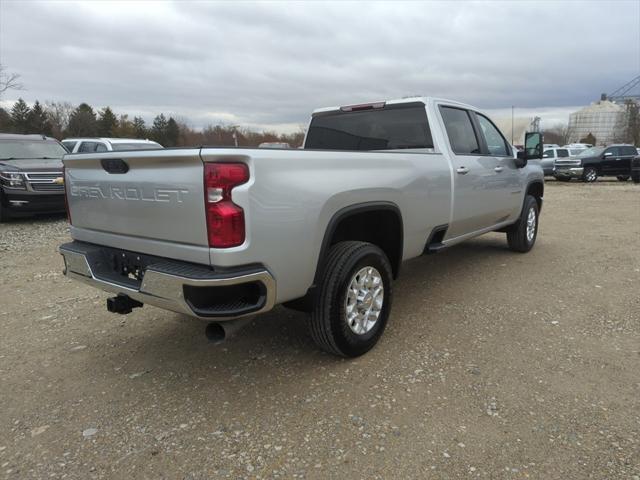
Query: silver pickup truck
{"x": 222, "y": 234}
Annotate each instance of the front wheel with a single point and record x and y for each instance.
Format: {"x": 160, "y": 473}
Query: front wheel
{"x": 590, "y": 174}
{"x": 4, "y": 215}
{"x": 622, "y": 178}
{"x": 522, "y": 235}
{"x": 354, "y": 299}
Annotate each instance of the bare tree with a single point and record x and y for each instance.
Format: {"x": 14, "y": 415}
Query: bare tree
{"x": 58, "y": 113}
{"x": 9, "y": 81}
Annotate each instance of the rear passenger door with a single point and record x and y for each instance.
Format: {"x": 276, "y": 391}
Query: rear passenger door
{"x": 475, "y": 174}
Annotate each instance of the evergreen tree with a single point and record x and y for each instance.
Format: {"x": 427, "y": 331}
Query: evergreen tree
{"x": 159, "y": 129}
{"x": 125, "y": 128}
{"x": 139, "y": 127}
{"x": 20, "y": 117}
{"x": 82, "y": 122}
{"x": 39, "y": 120}
{"x": 590, "y": 139}
{"x": 107, "y": 122}
{"x": 173, "y": 133}
{"x": 5, "y": 121}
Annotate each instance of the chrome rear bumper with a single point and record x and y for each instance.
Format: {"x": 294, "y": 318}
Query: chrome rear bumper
{"x": 177, "y": 286}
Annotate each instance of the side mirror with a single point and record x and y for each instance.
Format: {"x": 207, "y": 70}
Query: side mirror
{"x": 607, "y": 154}
{"x": 533, "y": 145}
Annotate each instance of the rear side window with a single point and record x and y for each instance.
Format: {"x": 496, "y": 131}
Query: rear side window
{"x": 563, "y": 152}
{"x": 628, "y": 151}
{"x": 388, "y": 128}
{"x": 460, "y": 131}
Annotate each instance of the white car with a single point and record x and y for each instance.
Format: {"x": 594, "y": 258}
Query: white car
{"x": 90, "y": 145}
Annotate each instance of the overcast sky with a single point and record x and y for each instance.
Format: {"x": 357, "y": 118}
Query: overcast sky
{"x": 268, "y": 65}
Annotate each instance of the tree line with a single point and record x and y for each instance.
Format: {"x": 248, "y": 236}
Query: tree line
{"x": 63, "y": 120}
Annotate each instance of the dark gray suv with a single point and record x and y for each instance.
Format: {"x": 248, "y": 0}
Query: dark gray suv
{"x": 31, "y": 179}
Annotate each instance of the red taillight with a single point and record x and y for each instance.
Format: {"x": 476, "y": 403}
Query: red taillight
{"x": 225, "y": 219}
{"x": 66, "y": 199}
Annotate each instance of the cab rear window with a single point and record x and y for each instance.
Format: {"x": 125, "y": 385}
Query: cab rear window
{"x": 392, "y": 127}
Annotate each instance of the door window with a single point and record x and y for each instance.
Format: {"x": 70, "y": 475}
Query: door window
{"x": 548, "y": 154}
{"x": 101, "y": 147}
{"x": 563, "y": 152}
{"x": 460, "y": 131}
{"x": 69, "y": 145}
{"x": 613, "y": 151}
{"x": 88, "y": 147}
{"x": 496, "y": 143}
{"x": 628, "y": 151}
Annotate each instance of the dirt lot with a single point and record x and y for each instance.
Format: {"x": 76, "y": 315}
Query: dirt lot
{"x": 495, "y": 365}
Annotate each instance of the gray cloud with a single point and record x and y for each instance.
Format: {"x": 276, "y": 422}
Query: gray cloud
{"x": 269, "y": 64}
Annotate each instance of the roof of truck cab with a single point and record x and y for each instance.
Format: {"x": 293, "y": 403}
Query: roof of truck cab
{"x": 395, "y": 101}
{"x": 17, "y": 136}
{"x": 110, "y": 140}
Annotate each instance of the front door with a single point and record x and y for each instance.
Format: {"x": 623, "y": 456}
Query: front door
{"x": 506, "y": 189}
{"x": 474, "y": 175}
{"x": 610, "y": 157}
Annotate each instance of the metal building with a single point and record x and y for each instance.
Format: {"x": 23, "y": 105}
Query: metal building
{"x": 601, "y": 119}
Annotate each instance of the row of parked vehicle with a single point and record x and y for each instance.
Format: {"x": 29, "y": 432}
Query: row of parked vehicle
{"x": 31, "y": 178}
{"x": 587, "y": 163}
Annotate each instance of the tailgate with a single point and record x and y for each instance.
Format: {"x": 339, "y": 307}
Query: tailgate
{"x": 152, "y": 194}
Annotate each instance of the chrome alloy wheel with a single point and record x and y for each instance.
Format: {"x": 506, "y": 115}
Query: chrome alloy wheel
{"x": 531, "y": 224}
{"x": 364, "y": 300}
{"x": 591, "y": 175}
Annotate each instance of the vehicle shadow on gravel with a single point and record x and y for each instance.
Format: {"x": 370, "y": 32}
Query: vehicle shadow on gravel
{"x": 39, "y": 218}
{"x": 278, "y": 342}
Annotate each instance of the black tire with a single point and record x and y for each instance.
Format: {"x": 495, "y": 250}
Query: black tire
{"x": 635, "y": 178}
{"x": 589, "y": 174}
{"x": 622, "y": 178}
{"x": 4, "y": 215}
{"x": 328, "y": 320}
{"x": 517, "y": 237}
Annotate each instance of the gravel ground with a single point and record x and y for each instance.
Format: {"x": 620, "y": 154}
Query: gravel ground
{"x": 494, "y": 365}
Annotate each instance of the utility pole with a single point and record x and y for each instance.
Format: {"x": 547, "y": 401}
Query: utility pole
{"x": 511, "y": 124}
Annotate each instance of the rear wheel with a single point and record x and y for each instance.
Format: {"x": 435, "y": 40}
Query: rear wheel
{"x": 590, "y": 174}
{"x": 522, "y": 235}
{"x": 354, "y": 299}
{"x": 636, "y": 178}
{"x": 622, "y": 178}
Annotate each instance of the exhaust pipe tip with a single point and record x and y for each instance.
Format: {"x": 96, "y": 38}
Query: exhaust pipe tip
{"x": 215, "y": 333}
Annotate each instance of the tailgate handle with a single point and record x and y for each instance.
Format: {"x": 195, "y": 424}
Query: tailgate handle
{"x": 114, "y": 165}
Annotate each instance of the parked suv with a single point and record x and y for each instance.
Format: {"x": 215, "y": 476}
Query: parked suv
{"x": 611, "y": 161}
{"x": 635, "y": 169}
{"x": 90, "y": 145}
{"x": 31, "y": 178}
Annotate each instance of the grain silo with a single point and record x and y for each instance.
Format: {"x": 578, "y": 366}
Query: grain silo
{"x": 599, "y": 119}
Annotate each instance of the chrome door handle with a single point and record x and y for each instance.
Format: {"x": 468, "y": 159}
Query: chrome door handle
{"x": 462, "y": 170}
{"x": 498, "y": 169}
